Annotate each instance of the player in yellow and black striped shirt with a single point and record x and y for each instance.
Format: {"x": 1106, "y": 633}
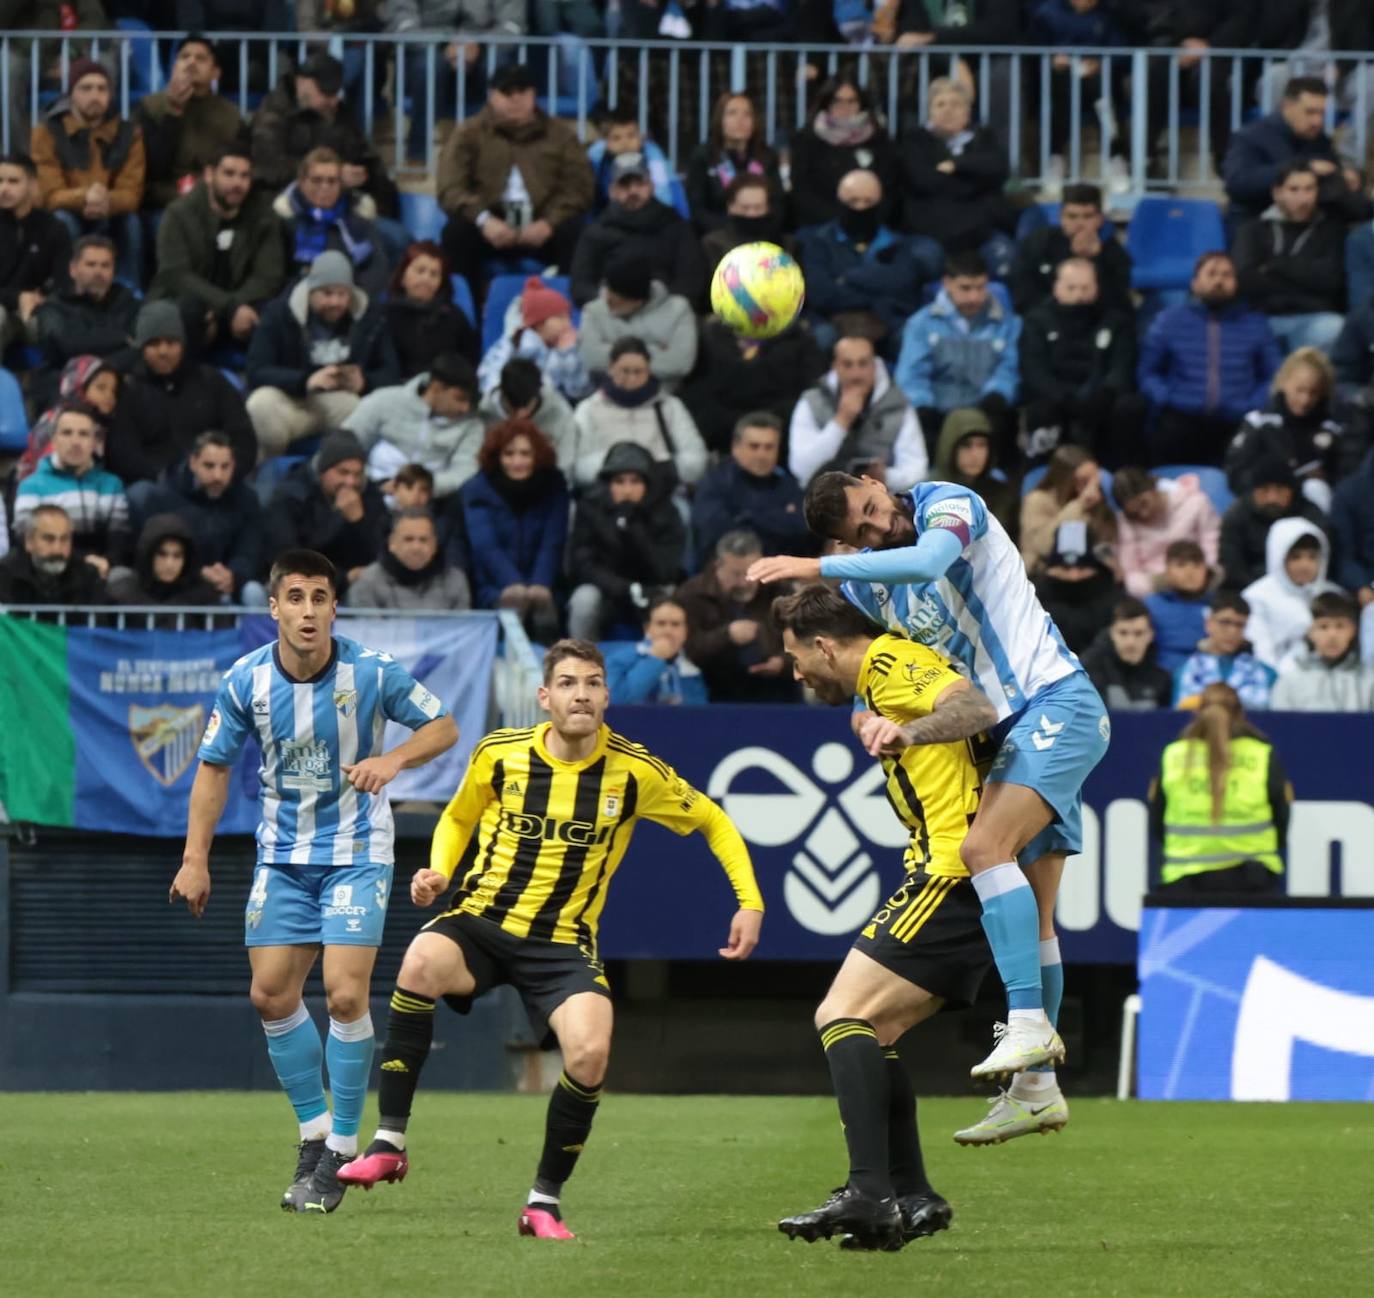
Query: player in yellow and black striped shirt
{"x": 925, "y": 947}
{"x": 542, "y": 819}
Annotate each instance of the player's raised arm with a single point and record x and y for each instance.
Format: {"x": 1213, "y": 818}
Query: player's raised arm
{"x": 959, "y": 711}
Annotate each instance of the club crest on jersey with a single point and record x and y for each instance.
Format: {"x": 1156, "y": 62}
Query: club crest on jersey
{"x": 611, "y": 805}
{"x": 346, "y": 701}
{"x": 166, "y": 738}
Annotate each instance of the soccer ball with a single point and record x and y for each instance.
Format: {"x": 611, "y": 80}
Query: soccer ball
{"x": 757, "y": 290}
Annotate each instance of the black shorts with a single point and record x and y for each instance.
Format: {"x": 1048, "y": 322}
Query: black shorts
{"x": 930, "y": 932}
{"x": 544, "y": 973}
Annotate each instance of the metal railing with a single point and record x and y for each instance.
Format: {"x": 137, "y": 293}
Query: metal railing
{"x": 1159, "y": 93}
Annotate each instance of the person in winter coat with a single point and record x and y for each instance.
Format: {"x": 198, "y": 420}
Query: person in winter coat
{"x": 734, "y": 145}
{"x": 633, "y": 305}
{"x": 34, "y": 250}
{"x": 1076, "y": 587}
{"x": 845, "y": 135}
{"x": 412, "y": 572}
{"x": 1290, "y": 263}
{"x": 316, "y": 353}
{"x": 619, "y": 133}
{"x": 421, "y": 316}
{"x": 523, "y": 392}
{"x": 628, "y": 541}
{"x": 169, "y": 399}
{"x": 1121, "y": 662}
{"x": 431, "y": 420}
{"x": 166, "y": 567}
{"x": 657, "y": 669}
{"x": 1178, "y": 609}
{"x": 1153, "y": 513}
{"x": 1245, "y": 525}
{"x": 86, "y": 380}
{"x": 46, "y": 570}
{"x": 1325, "y": 674}
{"x": 966, "y": 455}
{"x": 750, "y": 217}
{"x": 1070, "y": 492}
{"x": 1352, "y": 519}
{"x": 545, "y": 334}
{"x": 1078, "y": 234}
{"x": 516, "y": 510}
{"x": 1223, "y": 655}
{"x": 630, "y": 407}
{"x": 1296, "y": 555}
{"x": 635, "y": 224}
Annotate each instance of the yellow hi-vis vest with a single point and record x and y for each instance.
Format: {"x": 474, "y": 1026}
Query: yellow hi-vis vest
{"x": 1193, "y": 841}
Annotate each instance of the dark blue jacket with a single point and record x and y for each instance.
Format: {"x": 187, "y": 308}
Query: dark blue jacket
{"x": 510, "y": 546}
{"x": 226, "y": 529}
{"x": 1178, "y": 622}
{"x": 1055, "y": 22}
{"x": 1205, "y": 362}
{"x": 1352, "y": 519}
{"x": 1256, "y": 153}
{"x": 885, "y": 278}
{"x": 728, "y": 497}
{"x": 1353, "y": 352}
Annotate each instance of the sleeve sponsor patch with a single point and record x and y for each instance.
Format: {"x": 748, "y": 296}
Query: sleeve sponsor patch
{"x": 212, "y": 726}
{"x": 950, "y": 521}
{"x": 425, "y": 701}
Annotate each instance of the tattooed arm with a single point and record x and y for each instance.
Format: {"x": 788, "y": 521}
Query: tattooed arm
{"x": 960, "y": 712}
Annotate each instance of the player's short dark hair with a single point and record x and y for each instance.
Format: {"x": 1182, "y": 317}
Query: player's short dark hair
{"x": 629, "y": 345}
{"x": 413, "y": 475}
{"x": 20, "y": 160}
{"x": 583, "y": 650}
{"x": 967, "y": 263}
{"x": 825, "y": 505}
{"x": 301, "y": 563}
{"x": 1082, "y": 195}
{"x": 819, "y": 609}
{"x": 756, "y": 419}
{"x": 93, "y": 241}
{"x": 1229, "y": 601}
{"x": 238, "y": 147}
{"x": 1293, "y": 167}
{"x": 1296, "y": 87}
{"x": 212, "y": 437}
{"x": 1336, "y": 604}
{"x": 1130, "y": 482}
{"x": 1184, "y": 552}
{"x": 1128, "y": 609}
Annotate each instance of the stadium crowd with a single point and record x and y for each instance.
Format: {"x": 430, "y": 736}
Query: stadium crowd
{"x": 231, "y": 345}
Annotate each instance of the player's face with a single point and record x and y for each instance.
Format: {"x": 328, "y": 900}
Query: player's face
{"x": 575, "y": 698}
{"x": 815, "y": 668}
{"x": 877, "y": 520}
{"x": 303, "y": 609}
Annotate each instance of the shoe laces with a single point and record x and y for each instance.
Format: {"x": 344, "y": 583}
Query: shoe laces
{"x": 307, "y": 1157}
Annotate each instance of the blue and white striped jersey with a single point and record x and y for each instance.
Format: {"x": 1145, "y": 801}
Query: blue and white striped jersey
{"x": 983, "y": 613}
{"x": 308, "y": 732}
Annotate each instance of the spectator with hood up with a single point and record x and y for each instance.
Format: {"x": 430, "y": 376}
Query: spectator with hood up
{"x": 966, "y": 454}
{"x": 166, "y": 567}
{"x": 1296, "y": 557}
{"x": 1245, "y": 525}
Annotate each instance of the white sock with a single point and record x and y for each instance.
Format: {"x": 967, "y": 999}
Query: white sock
{"x": 538, "y": 1196}
{"x": 342, "y": 1144}
{"x": 1032, "y": 1085}
{"x": 1037, "y": 1016}
{"x": 317, "y": 1128}
{"x": 397, "y": 1138}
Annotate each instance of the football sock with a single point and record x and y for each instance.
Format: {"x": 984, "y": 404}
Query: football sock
{"x": 297, "y": 1056}
{"x": 409, "y": 1034}
{"x": 904, "y": 1162}
{"x": 1011, "y": 920}
{"x": 572, "y": 1106}
{"x": 859, "y": 1075}
{"x": 348, "y": 1056}
{"x": 1052, "y": 989}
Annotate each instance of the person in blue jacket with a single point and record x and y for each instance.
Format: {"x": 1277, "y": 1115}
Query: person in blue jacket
{"x": 656, "y": 670}
{"x": 516, "y": 514}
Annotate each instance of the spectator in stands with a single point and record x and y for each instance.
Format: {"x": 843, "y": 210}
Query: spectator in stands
{"x": 1325, "y": 673}
{"x": 965, "y": 455}
{"x": 952, "y": 177}
{"x": 1352, "y": 520}
{"x": 1296, "y": 557}
{"x": 430, "y": 420}
{"x": 222, "y": 512}
{"x": 1078, "y": 359}
{"x": 1353, "y": 358}
{"x": 327, "y": 504}
{"x": 45, "y": 570}
{"x": 857, "y": 420}
{"x": 731, "y": 636}
{"x": 187, "y": 126}
{"x": 545, "y": 334}
{"x": 1078, "y": 234}
{"x": 421, "y": 315}
{"x": 733, "y": 147}
{"x": 1245, "y": 526}
{"x": 751, "y": 490}
{"x": 513, "y": 181}
{"x": 861, "y": 276}
{"x": 1077, "y": 586}
{"x": 751, "y": 216}
{"x": 630, "y": 406}
{"x": 634, "y": 304}
{"x": 1178, "y": 609}
{"x": 1154, "y": 513}
{"x": 91, "y": 315}
{"x": 319, "y": 213}
{"x": 516, "y": 510}
{"x": 627, "y": 545}
{"x": 85, "y": 380}
{"x": 656, "y": 670}
{"x": 316, "y": 353}
{"x": 1359, "y": 266}
{"x": 1070, "y": 492}
{"x": 166, "y": 567}
{"x": 962, "y": 350}
{"x": 412, "y": 487}
{"x": 635, "y": 225}
{"x": 219, "y": 253}
{"x": 30, "y": 17}
{"x": 1121, "y": 662}
{"x": 92, "y": 497}
{"x": 1295, "y": 132}
{"x": 229, "y": 16}
{"x": 90, "y": 165}
{"x": 1223, "y": 655}
{"x": 1290, "y": 262}
{"x": 34, "y": 250}
{"x": 1203, "y": 365}
{"x": 523, "y": 392}
{"x": 169, "y": 399}
{"x": 412, "y": 572}
{"x": 619, "y": 134}
{"x": 845, "y": 135}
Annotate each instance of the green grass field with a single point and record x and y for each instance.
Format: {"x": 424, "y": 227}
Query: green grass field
{"x": 149, "y": 1195}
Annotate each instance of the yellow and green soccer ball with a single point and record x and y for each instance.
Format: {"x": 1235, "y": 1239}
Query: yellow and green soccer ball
{"x": 757, "y": 290}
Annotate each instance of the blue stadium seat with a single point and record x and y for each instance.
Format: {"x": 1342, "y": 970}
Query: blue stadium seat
{"x": 503, "y": 290}
{"x": 422, "y": 216}
{"x": 1167, "y": 235}
{"x": 1033, "y": 476}
{"x": 462, "y": 298}
{"x": 679, "y": 196}
{"x": 14, "y": 419}
{"x": 1211, "y": 479}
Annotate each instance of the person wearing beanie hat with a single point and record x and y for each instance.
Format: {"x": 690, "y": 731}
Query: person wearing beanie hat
{"x": 635, "y": 303}
{"x": 158, "y": 320}
{"x": 540, "y": 329}
{"x": 1245, "y": 526}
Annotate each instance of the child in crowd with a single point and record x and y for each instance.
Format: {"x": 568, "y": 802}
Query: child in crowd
{"x": 412, "y": 487}
{"x": 1224, "y": 655}
{"x": 540, "y": 328}
{"x": 1178, "y": 610}
{"x": 1280, "y": 602}
{"x": 1325, "y": 674}
{"x": 620, "y": 133}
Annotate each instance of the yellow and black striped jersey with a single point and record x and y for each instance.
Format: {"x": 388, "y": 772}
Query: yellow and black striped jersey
{"x": 933, "y": 788}
{"x": 533, "y": 841}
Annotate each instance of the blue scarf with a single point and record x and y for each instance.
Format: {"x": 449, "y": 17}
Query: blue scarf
{"x": 313, "y": 225}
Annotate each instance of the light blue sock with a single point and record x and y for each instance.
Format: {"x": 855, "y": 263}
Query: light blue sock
{"x": 1051, "y": 987}
{"x": 293, "y": 1044}
{"x": 349, "y": 1056}
{"x": 1011, "y": 920}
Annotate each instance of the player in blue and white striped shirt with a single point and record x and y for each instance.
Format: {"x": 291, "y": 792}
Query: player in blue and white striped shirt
{"x": 318, "y": 706}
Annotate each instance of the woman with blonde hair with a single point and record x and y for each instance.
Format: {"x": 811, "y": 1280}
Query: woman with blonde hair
{"x": 1219, "y": 806}
{"x": 1070, "y": 492}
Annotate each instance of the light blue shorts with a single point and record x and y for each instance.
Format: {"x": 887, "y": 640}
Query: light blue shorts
{"x": 328, "y": 905}
{"x": 1051, "y": 746}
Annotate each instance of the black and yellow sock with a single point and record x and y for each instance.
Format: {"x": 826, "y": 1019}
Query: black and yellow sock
{"x": 409, "y": 1034}
{"x": 859, "y": 1075}
{"x": 904, "y": 1161}
{"x": 572, "y": 1106}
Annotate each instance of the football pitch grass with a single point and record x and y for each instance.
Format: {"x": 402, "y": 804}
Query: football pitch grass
{"x": 175, "y": 1194}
